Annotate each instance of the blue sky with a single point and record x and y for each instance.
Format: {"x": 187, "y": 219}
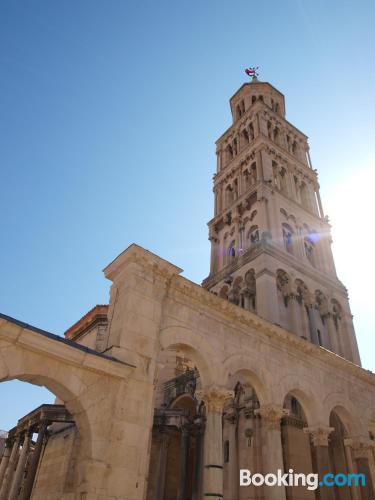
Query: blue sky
{"x": 109, "y": 113}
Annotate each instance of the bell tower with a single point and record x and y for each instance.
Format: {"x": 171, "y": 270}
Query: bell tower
{"x": 270, "y": 241}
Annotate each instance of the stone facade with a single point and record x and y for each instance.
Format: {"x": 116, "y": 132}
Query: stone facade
{"x": 169, "y": 390}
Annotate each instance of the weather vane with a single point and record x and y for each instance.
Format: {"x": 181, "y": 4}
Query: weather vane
{"x": 253, "y": 72}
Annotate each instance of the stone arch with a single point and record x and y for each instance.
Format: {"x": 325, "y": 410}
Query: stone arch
{"x": 302, "y": 389}
{"x": 196, "y": 347}
{"x": 344, "y": 409}
{"x": 18, "y": 363}
{"x": 253, "y": 373}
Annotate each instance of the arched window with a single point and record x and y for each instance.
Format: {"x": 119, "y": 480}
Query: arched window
{"x": 253, "y": 235}
{"x": 229, "y": 195}
{"x": 229, "y": 151}
{"x": 269, "y": 127}
{"x": 283, "y": 181}
{"x": 235, "y": 151}
{"x": 245, "y": 135}
{"x": 276, "y": 135}
{"x": 253, "y": 99}
{"x": 336, "y": 313}
{"x": 274, "y": 173}
{"x": 232, "y": 252}
{"x": 288, "y": 238}
{"x": 251, "y": 131}
{"x": 294, "y": 147}
{"x": 309, "y": 250}
{"x": 260, "y": 98}
{"x": 277, "y": 107}
{"x": 304, "y": 195}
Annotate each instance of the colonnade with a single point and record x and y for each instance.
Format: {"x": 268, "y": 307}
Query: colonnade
{"x": 21, "y": 457}
{"x": 262, "y": 438}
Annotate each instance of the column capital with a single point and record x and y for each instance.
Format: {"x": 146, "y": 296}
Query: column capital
{"x": 271, "y": 415}
{"x": 214, "y": 397}
{"x": 319, "y": 434}
{"x": 360, "y": 445}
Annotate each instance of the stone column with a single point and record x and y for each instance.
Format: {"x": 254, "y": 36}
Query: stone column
{"x": 5, "y": 460}
{"x": 214, "y": 398}
{"x": 361, "y": 448}
{"x": 18, "y": 476}
{"x": 162, "y": 466}
{"x": 333, "y": 336}
{"x": 294, "y": 313}
{"x": 267, "y": 301}
{"x": 312, "y": 325}
{"x": 197, "y": 472}
{"x": 233, "y": 471}
{"x": 184, "y": 457}
{"x": 8, "y": 476}
{"x": 355, "y": 493}
{"x": 29, "y": 482}
{"x": 319, "y": 203}
{"x": 271, "y": 416}
{"x": 319, "y": 438}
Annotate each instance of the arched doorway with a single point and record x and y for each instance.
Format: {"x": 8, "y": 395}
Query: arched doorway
{"x": 176, "y": 455}
{"x": 338, "y": 454}
{"x": 296, "y": 446}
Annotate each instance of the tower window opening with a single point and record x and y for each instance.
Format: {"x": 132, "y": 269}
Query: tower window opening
{"x": 269, "y": 127}
{"x": 288, "y": 238}
{"x": 245, "y": 135}
{"x": 253, "y": 235}
{"x": 232, "y": 251}
{"x": 276, "y": 135}
{"x": 309, "y": 250}
{"x": 229, "y": 150}
{"x": 251, "y": 131}
{"x": 253, "y": 99}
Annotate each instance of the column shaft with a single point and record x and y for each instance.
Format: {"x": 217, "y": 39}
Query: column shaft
{"x": 29, "y": 482}
{"x": 272, "y": 448}
{"x": 184, "y": 456}
{"x": 9, "y": 470}
{"x": 162, "y": 467}
{"x": 4, "y": 462}
{"x": 197, "y": 473}
{"x": 18, "y": 476}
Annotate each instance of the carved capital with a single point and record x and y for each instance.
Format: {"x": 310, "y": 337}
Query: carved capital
{"x": 319, "y": 435}
{"x": 271, "y": 415}
{"x": 214, "y": 397}
{"x": 360, "y": 445}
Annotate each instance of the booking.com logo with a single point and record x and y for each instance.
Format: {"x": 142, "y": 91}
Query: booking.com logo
{"x": 291, "y": 478}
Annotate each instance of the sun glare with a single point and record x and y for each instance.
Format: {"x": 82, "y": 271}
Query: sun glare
{"x": 350, "y": 207}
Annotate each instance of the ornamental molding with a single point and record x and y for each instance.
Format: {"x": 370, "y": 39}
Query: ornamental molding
{"x": 360, "y": 445}
{"x": 271, "y": 415}
{"x": 214, "y": 397}
{"x": 319, "y": 434}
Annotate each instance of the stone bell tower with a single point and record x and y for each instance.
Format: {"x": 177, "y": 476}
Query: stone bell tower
{"x": 270, "y": 241}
